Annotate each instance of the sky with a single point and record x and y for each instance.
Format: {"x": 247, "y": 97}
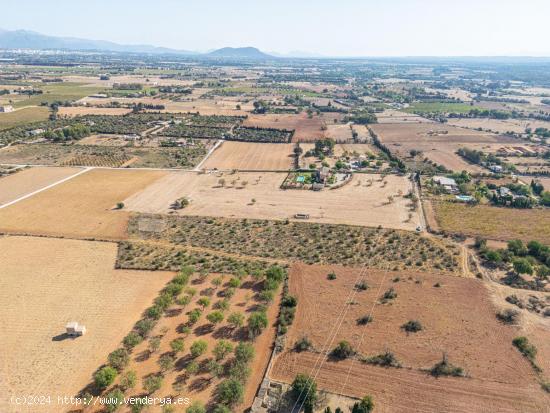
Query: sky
{"x": 347, "y": 28}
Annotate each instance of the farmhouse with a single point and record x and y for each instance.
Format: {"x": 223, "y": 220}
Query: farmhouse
{"x": 322, "y": 174}
{"x": 6, "y": 109}
{"x": 448, "y": 183}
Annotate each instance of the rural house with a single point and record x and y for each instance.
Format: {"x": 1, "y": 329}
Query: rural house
{"x": 322, "y": 174}
{"x": 448, "y": 183}
{"x": 6, "y": 109}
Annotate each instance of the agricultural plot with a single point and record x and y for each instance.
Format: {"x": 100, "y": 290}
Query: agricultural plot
{"x": 83, "y": 207}
{"x": 496, "y": 376}
{"x": 264, "y": 135}
{"x": 367, "y": 200}
{"x": 288, "y": 241}
{"x": 107, "y": 156}
{"x": 27, "y": 181}
{"x": 55, "y": 92}
{"x": 23, "y": 116}
{"x": 395, "y": 116}
{"x": 437, "y": 142}
{"x": 251, "y": 156}
{"x": 89, "y": 110}
{"x": 200, "y": 132}
{"x": 45, "y": 284}
{"x": 305, "y": 129}
{"x": 493, "y": 222}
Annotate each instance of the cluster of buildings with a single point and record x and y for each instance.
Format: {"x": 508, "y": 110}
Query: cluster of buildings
{"x": 6, "y": 109}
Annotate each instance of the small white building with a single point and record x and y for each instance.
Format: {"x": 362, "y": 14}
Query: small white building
{"x": 496, "y": 168}
{"x": 74, "y": 329}
{"x": 6, "y": 109}
{"x": 448, "y": 183}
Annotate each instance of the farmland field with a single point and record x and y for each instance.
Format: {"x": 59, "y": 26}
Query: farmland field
{"x": 497, "y": 377}
{"x": 86, "y": 110}
{"x": 493, "y": 222}
{"x": 306, "y": 129}
{"x": 364, "y": 201}
{"x": 81, "y": 208}
{"x": 251, "y": 156}
{"x": 23, "y": 116}
{"x": 45, "y": 284}
{"x": 30, "y": 180}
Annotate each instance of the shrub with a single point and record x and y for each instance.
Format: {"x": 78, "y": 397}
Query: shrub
{"x": 230, "y": 392}
{"x": 132, "y": 340}
{"x": 222, "y": 349}
{"x": 144, "y": 327}
{"x": 196, "y": 407}
{"x": 304, "y": 391}
{"x": 214, "y": 368}
{"x": 303, "y": 344}
{"x": 444, "y": 368}
{"x": 177, "y": 345}
{"x": 256, "y": 323}
{"x": 152, "y": 383}
{"x": 389, "y": 294}
{"x": 508, "y": 316}
{"x": 366, "y": 405}
{"x": 525, "y": 348}
{"x": 239, "y": 371}
{"x": 234, "y": 282}
{"x": 114, "y": 399}
{"x": 412, "y": 326}
{"x": 220, "y": 408}
{"x": 364, "y": 320}
{"x": 194, "y": 316}
{"x": 119, "y": 359}
{"x": 198, "y": 348}
{"x": 215, "y": 317}
{"x": 386, "y": 359}
{"x": 362, "y": 286}
{"x": 244, "y": 352}
{"x": 331, "y": 276}
{"x": 192, "y": 368}
{"x": 154, "y": 312}
{"x": 105, "y": 377}
{"x": 236, "y": 319}
{"x": 167, "y": 362}
{"x": 204, "y": 302}
{"x": 128, "y": 380}
{"x": 522, "y": 266}
{"x": 343, "y": 350}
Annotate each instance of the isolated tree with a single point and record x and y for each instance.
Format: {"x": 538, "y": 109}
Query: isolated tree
{"x": 304, "y": 392}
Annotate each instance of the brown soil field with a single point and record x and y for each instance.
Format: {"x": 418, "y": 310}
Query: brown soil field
{"x": 251, "y": 156}
{"x": 497, "y": 378}
{"x": 45, "y": 284}
{"x": 103, "y": 140}
{"x": 201, "y": 386}
{"x": 85, "y": 110}
{"x": 356, "y": 203}
{"x": 395, "y": 116}
{"x": 493, "y": 222}
{"x": 499, "y": 126}
{"x": 436, "y": 145}
{"x": 29, "y": 180}
{"x": 306, "y": 129}
{"x": 81, "y": 207}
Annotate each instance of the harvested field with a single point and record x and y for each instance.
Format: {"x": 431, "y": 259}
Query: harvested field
{"x": 497, "y": 378}
{"x": 363, "y": 201}
{"x": 395, "y": 116}
{"x": 168, "y": 237}
{"x": 104, "y": 140}
{"x": 23, "y": 116}
{"x": 306, "y": 129}
{"x": 251, "y": 156}
{"x": 82, "y": 207}
{"x": 493, "y": 222}
{"x": 88, "y": 110}
{"x": 47, "y": 282}
{"x": 438, "y": 142}
{"x": 29, "y": 180}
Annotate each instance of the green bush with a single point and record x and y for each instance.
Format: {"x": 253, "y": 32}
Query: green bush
{"x": 119, "y": 359}
{"x": 230, "y": 392}
{"x": 105, "y": 377}
{"x": 198, "y": 348}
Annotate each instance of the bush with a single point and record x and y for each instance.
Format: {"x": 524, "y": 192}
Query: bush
{"x": 508, "y": 316}
{"x": 220, "y": 408}
{"x": 194, "y": 316}
{"x": 244, "y": 352}
{"x": 362, "y": 286}
{"x": 132, "y": 340}
{"x": 331, "y": 276}
{"x": 115, "y": 399}
{"x": 230, "y": 392}
{"x": 303, "y": 344}
{"x": 364, "y": 320}
{"x": 128, "y": 380}
{"x": 119, "y": 359}
{"x": 222, "y": 349}
{"x": 343, "y": 350}
{"x": 412, "y": 326}
{"x": 236, "y": 320}
{"x": 196, "y": 407}
{"x": 366, "y": 405}
{"x": 239, "y": 371}
{"x": 198, "y": 348}
{"x": 256, "y": 324}
{"x": 152, "y": 383}
{"x": 177, "y": 345}
{"x": 304, "y": 391}
{"x": 144, "y": 327}
{"x": 386, "y": 359}
{"x": 444, "y": 368}
{"x": 215, "y": 317}
{"x": 525, "y": 348}
{"x": 389, "y": 295}
{"x": 105, "y": 377}
{"x": 166, "y": 362}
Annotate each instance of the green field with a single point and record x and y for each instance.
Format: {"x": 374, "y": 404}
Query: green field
{"x": 23, "y": 116}
{"x": 438, "y": 107}
{"x": 59, "y": 92}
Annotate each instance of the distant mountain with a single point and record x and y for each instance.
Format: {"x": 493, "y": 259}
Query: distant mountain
{"x": 24, "y": 39}
{"x": 239, "y": 53}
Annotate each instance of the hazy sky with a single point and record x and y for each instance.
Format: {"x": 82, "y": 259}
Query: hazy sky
{"x": 327, "y": 27}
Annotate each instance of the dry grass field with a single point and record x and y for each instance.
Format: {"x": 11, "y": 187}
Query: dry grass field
{"x": 497, "y": 378}
{"x": 395, "y": 116}
{"x": 29, "y": 180}
{"x": 258, "y": 195}
{"x": 46, "y": 283}
{"x": 251, "y": 156}
{"x": 493, "y": 222}
{"x": 85, "y": 110}
{"x": 437, "y": 142}
{"x": 306, "y": 129}
{"x": 23, "y": 116}
{"x": 82, "y": 207}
